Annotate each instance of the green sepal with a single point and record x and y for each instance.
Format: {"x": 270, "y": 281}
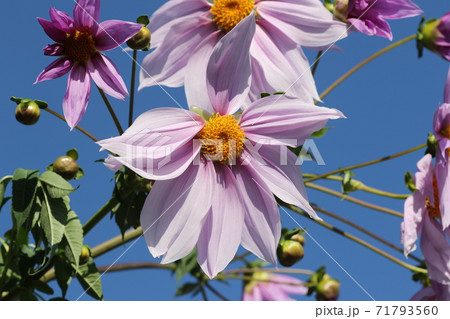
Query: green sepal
{"x": 432, "y": 145}
{"x": 73, "y": 153}
{"x": 409, "y": 182}
{"x": 143, "y": 19}
{"x": 320, "y": 132}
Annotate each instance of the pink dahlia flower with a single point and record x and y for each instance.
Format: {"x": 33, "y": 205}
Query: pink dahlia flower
{"x": 215, "y": 169}
{"x": 78, "y": 43}
{"x": 423, "y": 215}
{"x": 185, "y": 33}
{"x": 271, "y": 287}
{"x": 434, "y": 34}
{"x": 441, "y": 125}
{"x": 368, "y": 16}
{"x": 437, "y": 292}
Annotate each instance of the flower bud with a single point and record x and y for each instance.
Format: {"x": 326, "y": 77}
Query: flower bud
{"x": 140, "y": 40}
{"x": 300, "y": 238}
{"x": 28, "y": 113}
{"x": 289, "y": 252}
{"x": 65, "y": 166}
{"x": 434, "y": 34}
{"x": 85, "y": 254}
{"x": 328, "y": 289}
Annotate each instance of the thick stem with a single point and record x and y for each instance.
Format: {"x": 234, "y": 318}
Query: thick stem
{"x": 363, "y": 63}
{"x": 389, "y": 157}
{"x": 354, "y": 200}
{"x": 111, "y": 111}
{"x": 82, "y": 130}
{"x": 360, "y": 241}
{"x": 132, "y": 87}
{"x": 134, "y": 265}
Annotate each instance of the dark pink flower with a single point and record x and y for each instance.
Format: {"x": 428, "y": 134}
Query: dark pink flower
{"x": 434, "y": 34}
{"x": 78, "y": 43}
{"x": 436, "y": 292}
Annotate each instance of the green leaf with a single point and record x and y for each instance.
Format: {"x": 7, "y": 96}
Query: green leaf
{"x": 90, "y": 280}
{"x": 320, "y": 132}
{"x": 80, "y": 173}
{"x": 73, "y": 234}
{"x": 42, "y": 287}
{"x": 73, "y": 153}
{"x": 53, "y": 218}
{"x": 57, "y": 186}
{"x": 63, "y": 273}
{"x": 144, "y": 19}
{"x": 41, "y": 104}
{"x": 24, "y": 186}
{"x": 3, "y": 184}
{"x": 187, "y": 264}
{"x": 186, "y": 289}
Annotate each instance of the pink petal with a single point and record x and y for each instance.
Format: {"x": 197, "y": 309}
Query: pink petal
{"x": 254, "y": 295}
{"x": 229, "y": 69}
{"x": 262, "y": 227}
{"x": 290, "y": 289}
{"x": 166, "y": 65}
{"x": 413, "y": 221}
{"x": 280, "y": 120}
{"x": 307, "y": 23}
{"x": 53, "y": 30}
{"x": 195, "y": 77}
{"x": 159, "y": 145}
{"x": 113, "y": 33}
{"x": 175, "y": 210}
{"x": 397, "y": 9}
{"x": 424, "y": 294}
{"x": 283, "y": 65}
{"x": 112, "y": 163}
{"x": 221, "y": 233}
{"x": 55, "y": 70}
{"x": 77, "y": 95}
{"x": 273, "y": 292}
{"x": 106, "y": 76}
{"x": 442, "y": 172}
{"x": 278, "y": 168}
{"x": 53, "y": 50}
{"x": 447, "y": 88}
{"x": 63, "y": 20}
{"x": 172, "y": 13}
{"x": 86, "y": 14}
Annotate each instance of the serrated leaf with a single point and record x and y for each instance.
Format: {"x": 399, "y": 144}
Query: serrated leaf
{"x": 144, "y": 19}
{"x": 186, "y": 289}
{"x": 24, "y": 186}
{"x": 53, "y": 218}
{"x": 73, "y": 234}
{"x": 63, "y": 273}
{"x": 90, "y": 280}
{"x": 73, "y": 153}
{"x": 57, "y": 186}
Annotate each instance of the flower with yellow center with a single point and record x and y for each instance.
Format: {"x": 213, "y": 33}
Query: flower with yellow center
{"x": 228, "y": 13}
{"x": 222, "y": 138}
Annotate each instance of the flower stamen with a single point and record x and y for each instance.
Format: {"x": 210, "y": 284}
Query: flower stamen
{"x": 79, "y": 47}
{"x": 228, "y": 13}
{"x": 222, "y": 138}
{"x": 434, "y": 211}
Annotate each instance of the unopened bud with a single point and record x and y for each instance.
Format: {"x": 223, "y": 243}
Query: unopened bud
{"x": 300, "y": 238}
{"x": 289, "y": 252}
{"x": 66, "y": 166}
{"x": 328, "y": 289}
{"x": 140, "y": 40}
{"x": 28, "y": 113}
{"x": 85, "y": 254}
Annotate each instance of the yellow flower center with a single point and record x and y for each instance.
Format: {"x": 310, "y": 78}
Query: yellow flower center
{"x": 79, "y": 47}
{"x": 228, "y": 13}
{"x": 434, "y": 211}
{"x": 446, "y": 132}
{"x": 222, "y": 138}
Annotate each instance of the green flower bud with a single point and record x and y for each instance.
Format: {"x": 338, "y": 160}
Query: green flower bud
{"x": 85, "y": 254}
{"x": 140, "y": 40}
{"x": 289, "y": 252}
{"x": 300, "y": 238}
{"x": 28, "y": 113}
{"x": 328, "y": 289}
{"x": 65, "y": 166}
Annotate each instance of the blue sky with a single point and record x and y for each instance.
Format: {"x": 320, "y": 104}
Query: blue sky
{"x": 389, "y": 107}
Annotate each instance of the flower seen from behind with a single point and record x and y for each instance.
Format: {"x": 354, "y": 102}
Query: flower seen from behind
{"x": 79, "y": 42}
{"x": 216, "y": 170}
{"x": 272, "y": 287}
{"x": 434, "y": 34}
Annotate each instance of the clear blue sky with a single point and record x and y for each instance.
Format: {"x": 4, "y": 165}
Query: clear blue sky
{"x": 389, "y": 107}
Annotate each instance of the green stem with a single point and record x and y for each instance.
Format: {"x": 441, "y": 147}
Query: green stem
{"x": 133, "y": 81}
{"x": 133, "y": 266}
{"x": 111, "y": 111}
{"x": 354, "y": 200}
{"x": 360, "y": 241}
{"x": 202, "y": 290}
{"x": 271, "y": 270}
{"x": 362, "y": 187}
{"x": 82, "y": 130}
{"x": 316, "y": 62}
{"x": 214, "y": 291}
{"x": 251, "y": 278}
{"x": 363, "y": 63}
{"x": 365, "y": 231}
{"x": 389, "y": 157}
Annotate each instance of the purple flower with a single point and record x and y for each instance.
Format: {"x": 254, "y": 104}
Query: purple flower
{"x": 436, "y": 292}
{"x": 368, "y": 16}
{"x": 423, "y": 216}
{"x": 434, "y": 34}
{"x": 216, "y": 172}
{"x": 79, "y": 42}
{"x": 185, "y": 33}
{"x": 270, "y": 287}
